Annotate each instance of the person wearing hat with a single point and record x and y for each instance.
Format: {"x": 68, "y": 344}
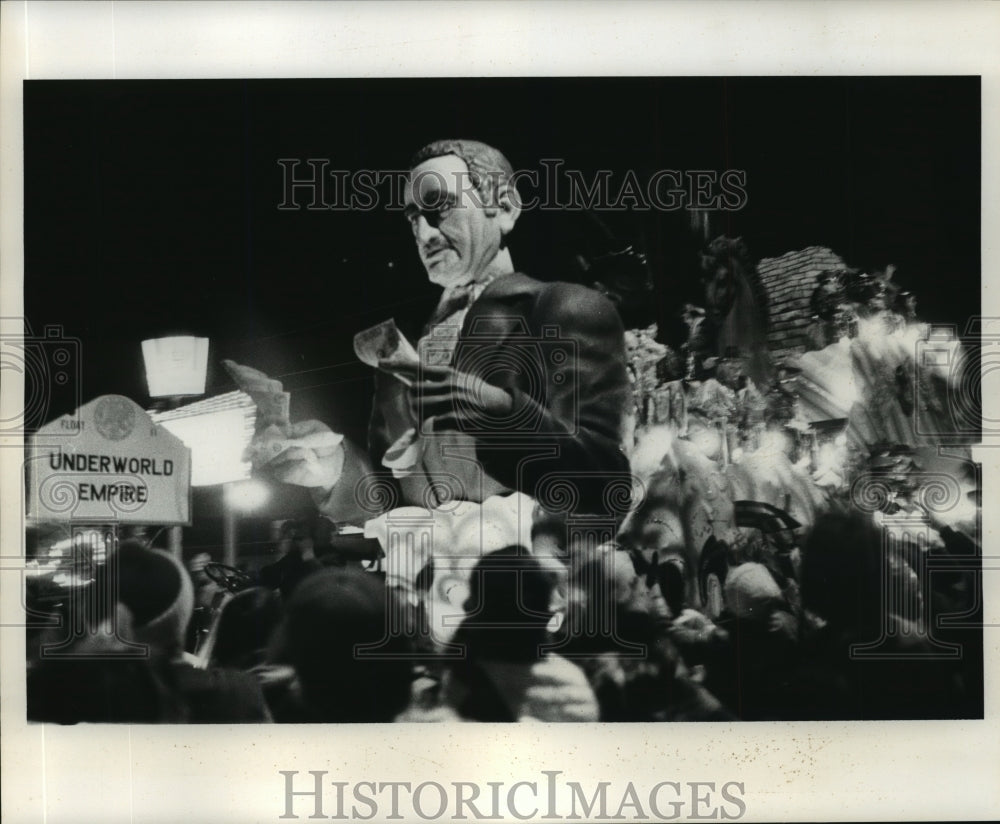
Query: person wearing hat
{"x": 100, "y": 679}
{"x": 156, "y": 593}
{"x": 133, "y": 666}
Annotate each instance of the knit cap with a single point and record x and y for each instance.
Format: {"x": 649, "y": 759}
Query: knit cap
{"x": 158, "y": 592}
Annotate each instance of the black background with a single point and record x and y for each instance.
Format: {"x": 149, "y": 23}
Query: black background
{"x": 151, "y": 206}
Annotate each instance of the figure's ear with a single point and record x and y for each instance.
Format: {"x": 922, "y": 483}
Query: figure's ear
{"x": 509, "y": 204}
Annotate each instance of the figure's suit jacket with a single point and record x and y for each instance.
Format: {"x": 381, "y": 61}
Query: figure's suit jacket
{"x": 559, "y": 350}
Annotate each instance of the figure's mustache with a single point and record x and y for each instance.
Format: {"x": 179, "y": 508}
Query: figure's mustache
{"x": 428, "y": 251}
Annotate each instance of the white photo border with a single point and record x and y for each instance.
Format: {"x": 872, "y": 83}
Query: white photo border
{"x": 791, "y": 771}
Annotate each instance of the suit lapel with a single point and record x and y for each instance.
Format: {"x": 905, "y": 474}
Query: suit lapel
{"x": 499, "y": 311}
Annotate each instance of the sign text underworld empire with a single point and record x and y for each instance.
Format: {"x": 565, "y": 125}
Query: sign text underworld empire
{"x": 312, "y": 794}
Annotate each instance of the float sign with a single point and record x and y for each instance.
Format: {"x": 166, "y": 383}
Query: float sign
{"x": 117, "y": 465}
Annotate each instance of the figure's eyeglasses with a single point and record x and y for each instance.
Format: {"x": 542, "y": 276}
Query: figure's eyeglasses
{"x": 433, "y": 210}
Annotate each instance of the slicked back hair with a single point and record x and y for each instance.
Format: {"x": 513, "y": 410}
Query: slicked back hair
{"x": 489, "y": 170}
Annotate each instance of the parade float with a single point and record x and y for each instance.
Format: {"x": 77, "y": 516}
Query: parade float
{"x": 804, "y": 386}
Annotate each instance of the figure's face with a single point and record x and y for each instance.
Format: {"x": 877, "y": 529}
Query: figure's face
{"x": 457, "y": 236}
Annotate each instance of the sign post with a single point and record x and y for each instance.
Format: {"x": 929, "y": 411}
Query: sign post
{"x": 109, "y": 462}
{"x": 106, "y": 465}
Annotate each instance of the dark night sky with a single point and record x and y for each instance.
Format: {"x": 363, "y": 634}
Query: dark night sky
{"x": 151, "y": 206}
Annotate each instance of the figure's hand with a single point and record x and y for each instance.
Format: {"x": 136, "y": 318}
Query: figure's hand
{"x": 313, "y": 456}
{"x": 451, "y": 397}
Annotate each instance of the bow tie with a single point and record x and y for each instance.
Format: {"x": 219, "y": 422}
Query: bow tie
{"x": 453, "y": 300}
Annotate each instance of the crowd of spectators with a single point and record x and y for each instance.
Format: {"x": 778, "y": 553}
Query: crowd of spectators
{"x": 603, "y": 636}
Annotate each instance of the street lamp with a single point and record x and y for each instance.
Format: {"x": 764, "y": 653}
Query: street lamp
{"x": 247, "y": 496}
{"x": 237, "y": 497}
{"x": 176, "y": 367}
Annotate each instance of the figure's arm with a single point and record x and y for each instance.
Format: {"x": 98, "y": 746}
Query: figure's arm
{"x": 340, "y": 502}
{"x": 349, "y": 500}
{"x": 332, "y": 474}
{"x": 566, "y": 427}
{"x": 582, "y": 407}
